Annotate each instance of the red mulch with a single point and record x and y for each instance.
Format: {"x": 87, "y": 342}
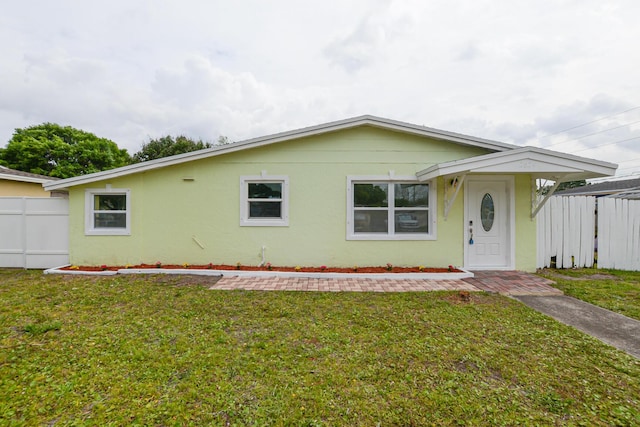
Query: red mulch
{"x": 274, "y": 268}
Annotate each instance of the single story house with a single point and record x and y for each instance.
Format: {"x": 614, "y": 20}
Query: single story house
{"x": 361, "y": 191}
{"x": 15, "y": 183}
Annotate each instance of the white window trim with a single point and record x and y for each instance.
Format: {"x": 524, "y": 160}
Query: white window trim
{"x": 245, "y": 221}
{"x": 89, "y": 210}
{"x": 391, "y": 179}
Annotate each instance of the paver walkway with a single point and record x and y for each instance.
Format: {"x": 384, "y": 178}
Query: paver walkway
{"x": 503, "y": 282}
{"x": 512, "y": 283}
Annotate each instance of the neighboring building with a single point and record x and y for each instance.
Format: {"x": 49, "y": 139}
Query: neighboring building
{"x": 606, "y": 188}
{"x": 362, "y": 191}
{"x": 16, "y": 183}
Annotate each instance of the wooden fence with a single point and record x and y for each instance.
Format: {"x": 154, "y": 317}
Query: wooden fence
{"x": 567, "y": 233}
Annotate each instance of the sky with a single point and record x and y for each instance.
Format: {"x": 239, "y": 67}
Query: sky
{"x": 559, "y": 74}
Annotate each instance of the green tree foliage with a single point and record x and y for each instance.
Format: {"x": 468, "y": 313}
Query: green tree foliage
{"x": 564, "y": 186}
{"x": 62, "y": 152}
{"x": 168, "y": 146}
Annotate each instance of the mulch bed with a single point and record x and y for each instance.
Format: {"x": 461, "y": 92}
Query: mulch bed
{"x": 382, "y": 269}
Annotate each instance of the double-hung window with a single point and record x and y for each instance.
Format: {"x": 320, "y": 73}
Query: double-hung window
{"x": 264, "y": 201}
{"x": 107, "y": 212}
{"x": 390, "y": 210}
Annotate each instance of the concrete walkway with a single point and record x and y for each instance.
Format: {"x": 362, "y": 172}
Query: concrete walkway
{"x": 612, "y": 328}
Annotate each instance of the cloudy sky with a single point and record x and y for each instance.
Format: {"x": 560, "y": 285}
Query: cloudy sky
{"x": 560, "y": 74}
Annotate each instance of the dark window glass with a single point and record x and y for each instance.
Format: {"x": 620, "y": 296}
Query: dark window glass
{"x": 411, "y": 195}
{"x": 487, "y": 211}
{"x": 110, "y": 202}
{"x": 366, "y": 221}
{"x": 269, "y": 190}
{"x": 265, "y": 210}
{"x": 370, "y": 195}
{"x": 412, "y": 221}
{"x": 110, "y": 220}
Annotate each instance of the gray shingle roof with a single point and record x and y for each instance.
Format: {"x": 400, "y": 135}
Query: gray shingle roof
{"x": 6, "y": 171}
{"x": 602, "y": 188}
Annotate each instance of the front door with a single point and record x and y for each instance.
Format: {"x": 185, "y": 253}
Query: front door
{"x": 488, "y": 223}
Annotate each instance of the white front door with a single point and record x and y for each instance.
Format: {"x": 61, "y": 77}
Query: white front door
{"x": 488, "y": 223}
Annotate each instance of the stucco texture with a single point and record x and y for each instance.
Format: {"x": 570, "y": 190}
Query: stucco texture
{"x": 171, "y": 218}
{"x": 10, "y": 188}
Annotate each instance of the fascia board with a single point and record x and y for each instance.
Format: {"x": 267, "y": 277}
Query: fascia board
{"x": 523, "y": 160}
{"x": 24, "y": 178}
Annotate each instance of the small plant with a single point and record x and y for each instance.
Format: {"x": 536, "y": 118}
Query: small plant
{"x": 74, "y": 267}
{"x": 389, "y": 266}
{"x": 355, "y": 268}
{"x": 451, "y": 268}
{"x": 185, "y": 265}
{"x": 238, "y": 265}
{"x": 103, "y": 267}
{"x": 210, "y": 265}
{"x": 127, "y": 266}
{"x": 158, "y": 264}
{"x": 297, "y": 268}
{"x": 42, "y": 328}
{"x": 323, "y": 267}
{"x": 421, "y": 268}
{"x": 268, "y": 266}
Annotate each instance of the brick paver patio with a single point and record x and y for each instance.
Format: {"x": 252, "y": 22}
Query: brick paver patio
{"x": 503, "y": 282}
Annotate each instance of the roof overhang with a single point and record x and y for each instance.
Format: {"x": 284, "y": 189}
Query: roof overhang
{"x": 538, "y": 162}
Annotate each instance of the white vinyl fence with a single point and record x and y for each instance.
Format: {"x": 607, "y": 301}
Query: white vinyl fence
{"x": 619, "y": 234}
{"x": 567, "y": 233}
{"x": 34, "y": 232}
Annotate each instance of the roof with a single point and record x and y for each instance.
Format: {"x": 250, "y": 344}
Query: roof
{"x": 602, "y": 188}
{"x": 350, "y": 123}
{"x": 16, "y": 175}
{"x": 538, "y": 162}
{"x": 629, "y": 195}
{"x": 603, "y": 168}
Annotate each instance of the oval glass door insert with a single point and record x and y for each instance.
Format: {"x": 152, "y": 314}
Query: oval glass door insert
{"x": 487, "y": 210}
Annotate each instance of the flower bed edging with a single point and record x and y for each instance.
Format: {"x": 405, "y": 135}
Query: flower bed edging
{"x": 58, "y": 270}
{"x": 233, "y": 273}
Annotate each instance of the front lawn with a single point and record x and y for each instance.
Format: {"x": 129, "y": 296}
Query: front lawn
{"x": 156, "y": 351}
{"x": 614, "y": 290}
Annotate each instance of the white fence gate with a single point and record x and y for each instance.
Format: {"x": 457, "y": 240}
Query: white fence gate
{"x": 34, "y": 232}
{"x": 567, "y": 232}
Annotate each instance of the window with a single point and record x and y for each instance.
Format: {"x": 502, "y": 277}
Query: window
{"x": 107, "y": 212}
{"x": 264, "y": 201}
{"x": 390, "y": 210}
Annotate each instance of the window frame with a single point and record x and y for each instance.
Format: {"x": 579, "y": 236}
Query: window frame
{"x": 245, "y": 219}
{"x": 89, "y": 208}
{"x": 391, "y": 209}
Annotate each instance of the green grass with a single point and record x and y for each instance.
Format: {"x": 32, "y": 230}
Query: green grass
{"x": 614, "y": 290}
{"x": 134, "y": 351}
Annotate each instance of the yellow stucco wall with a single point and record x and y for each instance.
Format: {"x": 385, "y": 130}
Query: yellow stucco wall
{"x": 10, "y": 188}
{"x": 169, "y": 214}
{"x": 526, "y": 238}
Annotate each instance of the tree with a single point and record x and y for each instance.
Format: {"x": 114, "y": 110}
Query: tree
{"x": 167, "y": 146}
{"x": 62, "y": 152}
